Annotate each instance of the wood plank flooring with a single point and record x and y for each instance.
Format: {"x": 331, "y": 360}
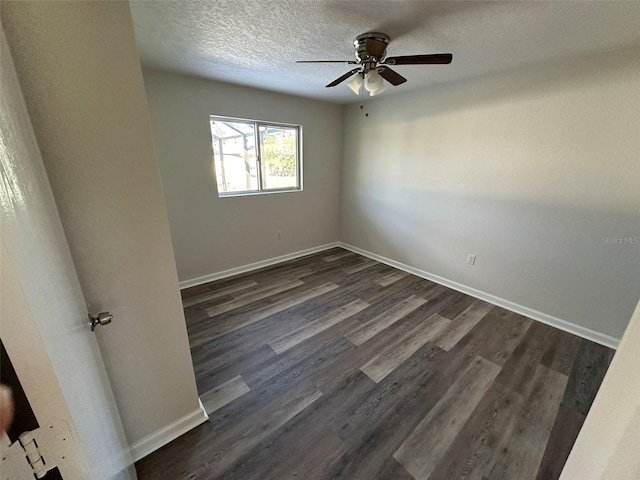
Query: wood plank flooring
{"x": 335, "y": 366}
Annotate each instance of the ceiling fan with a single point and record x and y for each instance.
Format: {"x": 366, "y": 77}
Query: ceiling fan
{"x": 371, "y": 49}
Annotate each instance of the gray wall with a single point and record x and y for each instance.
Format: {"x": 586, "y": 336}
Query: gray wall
{"x": 78, "y": 66}
{"x": 529, "y": 170}
{"x": 211, "y": 234}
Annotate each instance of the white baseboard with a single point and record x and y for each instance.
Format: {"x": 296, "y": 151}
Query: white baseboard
{"x": 168, "y": 433}
{"x": 578, "y": 330}
{"x": 254, "y": 266}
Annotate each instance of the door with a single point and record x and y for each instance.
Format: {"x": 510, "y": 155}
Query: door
{"x": 44, "y": 316}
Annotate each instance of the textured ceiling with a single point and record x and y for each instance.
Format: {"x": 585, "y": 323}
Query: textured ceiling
{"x": 256, "y": 42}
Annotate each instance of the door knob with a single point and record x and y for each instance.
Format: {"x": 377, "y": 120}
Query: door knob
{"x": 103, "y": 318}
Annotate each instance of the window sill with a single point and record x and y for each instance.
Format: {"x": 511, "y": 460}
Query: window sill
{"x": 251, "y": 194}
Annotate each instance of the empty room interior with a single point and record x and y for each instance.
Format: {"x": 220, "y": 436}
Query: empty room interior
{"x": 328, "y": 239}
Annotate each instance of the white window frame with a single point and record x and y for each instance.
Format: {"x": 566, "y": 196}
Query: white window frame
{"x": 256, "y": 128}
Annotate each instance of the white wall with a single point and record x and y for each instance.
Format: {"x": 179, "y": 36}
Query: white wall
{"x": 212, "y": 234}
{"x": 80, "y": 73}
{"x": 529, "y": 170}
{"x": 607, "y": 447}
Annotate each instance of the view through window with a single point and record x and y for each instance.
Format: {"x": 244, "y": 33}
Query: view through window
{"x": 254, "y": 157}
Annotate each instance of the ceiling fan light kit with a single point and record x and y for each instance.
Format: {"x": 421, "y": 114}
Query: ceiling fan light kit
{"x": 374, "y": 84}
{"x": 355, "y": 84}
{"x": 371, "y": 51}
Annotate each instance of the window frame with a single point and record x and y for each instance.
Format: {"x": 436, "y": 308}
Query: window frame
{"x": 259, "y": 164}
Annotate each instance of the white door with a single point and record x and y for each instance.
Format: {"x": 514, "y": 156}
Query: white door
{"x": 44, "y": 324}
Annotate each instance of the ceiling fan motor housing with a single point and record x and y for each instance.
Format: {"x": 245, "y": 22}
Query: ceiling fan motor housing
{"x": 371, "y": 47}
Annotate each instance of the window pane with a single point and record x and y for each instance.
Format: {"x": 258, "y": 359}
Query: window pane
{"x": 279, "y": 149}
{"x": 234, "y": 155}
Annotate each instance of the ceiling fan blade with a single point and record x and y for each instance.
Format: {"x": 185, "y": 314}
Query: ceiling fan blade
{"x": 348, "y": 62}
{"x": 433, "y": 59}
{"x": 394, "y": 78}
{"x": 343, "y": 77}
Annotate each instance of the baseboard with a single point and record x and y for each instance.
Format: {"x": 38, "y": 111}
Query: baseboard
{"x": 156, "y": 440}
{"x": 254, "y": 266}
{"x": 570, "y": 327}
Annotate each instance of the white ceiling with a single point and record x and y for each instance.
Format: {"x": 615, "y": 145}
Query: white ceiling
{"x": 256, "y": 42}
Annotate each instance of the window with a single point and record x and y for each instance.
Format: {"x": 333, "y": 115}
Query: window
{"x": 255, "y": 157}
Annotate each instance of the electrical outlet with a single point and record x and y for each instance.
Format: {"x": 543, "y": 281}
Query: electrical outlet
{"x": 471, "y": 259}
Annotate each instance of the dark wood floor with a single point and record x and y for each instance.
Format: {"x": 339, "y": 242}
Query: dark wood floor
{"x": 337, "y": 366}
